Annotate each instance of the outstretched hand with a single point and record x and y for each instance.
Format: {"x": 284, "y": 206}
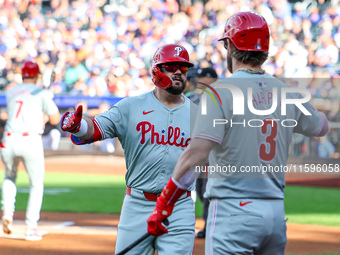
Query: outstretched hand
{"x": 70, "y": 121}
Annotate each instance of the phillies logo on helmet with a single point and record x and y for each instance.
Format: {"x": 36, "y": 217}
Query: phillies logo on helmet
{"x": 178, "y": 49}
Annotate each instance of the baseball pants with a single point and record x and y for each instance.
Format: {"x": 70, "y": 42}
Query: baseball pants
{"x": 29, "y": 150}
{"x": 133, "y": 224}
{"x": 245, "y": 227}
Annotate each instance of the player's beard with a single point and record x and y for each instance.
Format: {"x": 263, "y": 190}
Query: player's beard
{"x": 176, "y": 90}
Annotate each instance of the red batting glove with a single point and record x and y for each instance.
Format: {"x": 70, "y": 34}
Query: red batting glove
{"x": 71, "y": 120}
{"x": 161, "y": 212}
{"x": 164, "y": 206}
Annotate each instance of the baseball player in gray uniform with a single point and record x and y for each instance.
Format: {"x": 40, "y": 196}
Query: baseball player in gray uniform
{"x": 26, "y": 106}
{"x": 154, "y": 129}
{"x": 246, "y": 211}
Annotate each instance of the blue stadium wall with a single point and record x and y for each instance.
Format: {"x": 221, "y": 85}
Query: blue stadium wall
{"x": 67, "y": 101}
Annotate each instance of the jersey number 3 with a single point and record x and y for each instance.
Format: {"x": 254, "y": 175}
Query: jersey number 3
{"x": 19, "y": 108}
{"x": 268, "y": 149}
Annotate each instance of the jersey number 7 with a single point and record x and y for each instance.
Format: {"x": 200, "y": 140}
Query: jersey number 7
{"x": 19, "y": 108}
{"x": 268, "y": 150}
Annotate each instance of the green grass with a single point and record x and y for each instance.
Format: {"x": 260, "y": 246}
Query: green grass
{"x": 310, "y": 205}
{"x": 87, "y": 193}
{"x": 198, "y": 208}
{"x": 104, "y": 194}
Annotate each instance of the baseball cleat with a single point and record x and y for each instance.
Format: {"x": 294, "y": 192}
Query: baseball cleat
{"x": 7, "y": 225}
{"x": 201, "y": 234}
{"x": 32, "y": 235}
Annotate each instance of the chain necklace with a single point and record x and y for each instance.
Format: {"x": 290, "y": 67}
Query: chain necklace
{"x": 248, "y": 70}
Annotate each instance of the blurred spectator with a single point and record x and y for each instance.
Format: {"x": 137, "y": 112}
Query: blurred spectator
{"x": 325, "y": 148}
{"x": 297, "y": 145}
{"x": 58, "y": 86}
{"x": 334, "y": 113}
{"x": 315, "y": 16}
{"x": 327, "y": 55}
{"x": 96, "y": 85}
{"x": 191, "y": 86}
{"x": 102, "y": 48}
{"x": 206, "y": 76}
{"x": 76, "y": 74}
{"x": 51, "y": 136}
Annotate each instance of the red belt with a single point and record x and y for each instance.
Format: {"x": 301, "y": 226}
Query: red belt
{"x": 23, "y": 134}
{"x": 150, "y": 196}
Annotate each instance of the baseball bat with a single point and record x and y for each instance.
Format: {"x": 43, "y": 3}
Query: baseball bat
{"x": 52, "y": 77}
{"x": 49, "y": 82}
{"x": 165, "y": 222}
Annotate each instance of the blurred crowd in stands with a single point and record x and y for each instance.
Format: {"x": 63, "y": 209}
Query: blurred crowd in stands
{"x": 100, "y": 47}
{"x": 104, "y": 48}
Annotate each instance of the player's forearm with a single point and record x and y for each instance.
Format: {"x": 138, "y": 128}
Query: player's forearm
{"x": 183, "y": 165}
{"x": 194, "y": 157}
{"x": 184, "y": 175}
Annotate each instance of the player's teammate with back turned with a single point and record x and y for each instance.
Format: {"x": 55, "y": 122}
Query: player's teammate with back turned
{"x": 246, "y": 211}
{"x": 26, "y": 105}
{"x": 154, "y": 130}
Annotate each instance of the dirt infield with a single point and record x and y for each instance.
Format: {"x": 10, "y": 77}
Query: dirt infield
{"x": 85, "y": 234}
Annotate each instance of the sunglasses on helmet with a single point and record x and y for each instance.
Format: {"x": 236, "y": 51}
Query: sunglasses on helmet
{"x": 174, "y": 68}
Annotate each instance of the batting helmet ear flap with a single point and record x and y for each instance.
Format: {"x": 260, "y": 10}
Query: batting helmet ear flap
{"x": 160, "y": 79}
{"x": 169, "y": 53}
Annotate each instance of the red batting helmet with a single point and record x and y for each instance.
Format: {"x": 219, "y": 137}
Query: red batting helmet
{"x": 170, "y": 53}
{"x": 29, "y": 69}
{"x": 248, "y": 31}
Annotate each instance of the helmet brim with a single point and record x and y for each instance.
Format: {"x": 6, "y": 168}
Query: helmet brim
{"x": 176, "y": 61}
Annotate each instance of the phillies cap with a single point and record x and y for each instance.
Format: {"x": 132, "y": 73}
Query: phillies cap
{"x": 207, "y": 72}
{"x": 192, "y": 73}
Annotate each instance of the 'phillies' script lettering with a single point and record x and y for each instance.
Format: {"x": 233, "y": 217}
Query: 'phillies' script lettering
{"x": 173, "y": 135}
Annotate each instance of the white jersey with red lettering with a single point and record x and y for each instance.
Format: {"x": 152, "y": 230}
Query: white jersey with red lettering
{"x": 153, "y": 138}
{"x": 26, "y": 104}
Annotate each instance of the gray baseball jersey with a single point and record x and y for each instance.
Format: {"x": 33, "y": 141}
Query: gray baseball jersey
{"x": 152, "y": 135}
{"x": 249, "y": 141}
{"x": 26, "y": 104}
{"x": 246, "y": 210}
